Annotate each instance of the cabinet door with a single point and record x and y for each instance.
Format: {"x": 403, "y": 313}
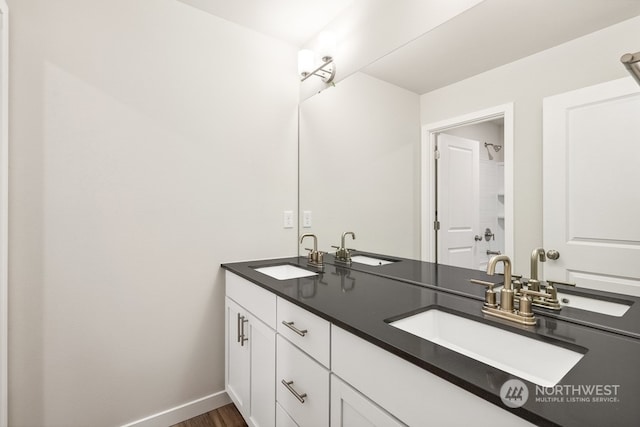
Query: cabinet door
{"x": 237, "y": 358}
{"x": 349, "y": 408}
{"x": 262, "y": 343}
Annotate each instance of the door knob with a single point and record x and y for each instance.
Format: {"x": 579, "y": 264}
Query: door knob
{"x": 553, "y": 254}
{"x": 477, "y": 238}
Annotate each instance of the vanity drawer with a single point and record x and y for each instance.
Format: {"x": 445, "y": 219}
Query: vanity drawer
{"x": 306, "y": 399}
{"x": 283, "y": 419}
{"x": 252, "y": 297}
{"x": 306, "y": 330}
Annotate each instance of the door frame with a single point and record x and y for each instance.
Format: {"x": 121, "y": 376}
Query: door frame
{"x": 4, "y": 210}
{"x": 427, "y": 177}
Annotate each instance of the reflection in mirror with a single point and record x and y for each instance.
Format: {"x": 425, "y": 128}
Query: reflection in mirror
{"x": 360, "y": 166}
{"x": 357, "y": 174}
{"x": 470, "y": 194}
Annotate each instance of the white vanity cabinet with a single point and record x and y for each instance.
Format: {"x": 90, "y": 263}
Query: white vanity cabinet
{"x": 250, "y": 350}
{"x": 413, "y": 395}
{"x": 288, "y": 367}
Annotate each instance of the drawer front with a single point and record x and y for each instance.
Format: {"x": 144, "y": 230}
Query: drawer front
{"x": 306, "y": 396}
{"x": 260, "y": 302}
{"x": 306, "y": 330}
{"x": 283, "y": 419}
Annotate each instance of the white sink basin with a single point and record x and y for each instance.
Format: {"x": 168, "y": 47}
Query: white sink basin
{"x": 285, "y": 272}
{"x": 592, "y": 304}
{"x": 588, "y": 303}
{"x": 508, "y": 351}
{"x": 362, "y": 259}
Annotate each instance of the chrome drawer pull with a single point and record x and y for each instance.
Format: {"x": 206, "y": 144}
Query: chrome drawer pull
{"x": 243, "y": 338}
{"x": 238, "y": 328}
{"x": 294, "y": 329}
{"x": 288, "y": 385}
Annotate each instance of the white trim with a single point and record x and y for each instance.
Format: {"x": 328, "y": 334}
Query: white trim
{"x": 4, "y": 214}
{"x": 427, "y": 187}
{"x": 183, "y": 412}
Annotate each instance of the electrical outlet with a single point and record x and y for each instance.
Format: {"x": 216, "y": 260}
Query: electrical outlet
{"x": 287, "y": 217}
{"x": 306, "y": 219}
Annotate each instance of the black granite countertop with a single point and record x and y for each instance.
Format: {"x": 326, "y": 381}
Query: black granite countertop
{"x": 363, "y": 303}
{"x": 438, "y": 276}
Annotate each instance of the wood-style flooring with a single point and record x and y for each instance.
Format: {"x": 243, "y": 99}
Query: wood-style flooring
{"x": 225, "y": 416}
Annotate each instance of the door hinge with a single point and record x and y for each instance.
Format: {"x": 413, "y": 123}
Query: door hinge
{"x": 436, "y": 225}
{"x": 436, "y": 154}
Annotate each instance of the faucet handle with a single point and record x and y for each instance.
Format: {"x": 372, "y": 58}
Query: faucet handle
{"x": 490, "y": 285}
{"x": 534, "y": 293}
{"x": 556, "y": 282}
{"x": 553, "y": 291}
{"x": 489, "y": 295}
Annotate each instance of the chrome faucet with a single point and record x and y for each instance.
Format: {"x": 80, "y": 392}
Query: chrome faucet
{"x": 315, "y": 257}
{"x": 536, "y": 255}
{"x": 343, "y": 254}
{"x": 505, "y": 310}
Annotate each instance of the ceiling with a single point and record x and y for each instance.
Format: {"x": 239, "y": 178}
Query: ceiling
{"x": 292, "y": 21}
{"x": 494, "y": 33}
{"x": 490, "y": 34}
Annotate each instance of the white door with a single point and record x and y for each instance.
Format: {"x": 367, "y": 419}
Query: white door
{"x": 591, "y": 186}
{"x": 458, "y": 200}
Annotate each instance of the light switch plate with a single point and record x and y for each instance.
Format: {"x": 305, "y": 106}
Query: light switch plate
{"x": 306, "y": 219}
{"x": 287, "y": 219}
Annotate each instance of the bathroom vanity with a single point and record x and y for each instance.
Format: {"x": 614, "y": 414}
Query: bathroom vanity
{"x": 335, "y": 346}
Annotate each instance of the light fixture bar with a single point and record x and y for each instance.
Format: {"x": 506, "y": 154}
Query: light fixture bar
{"x": 326, "y": 75}
{"x": 631, "y": 62}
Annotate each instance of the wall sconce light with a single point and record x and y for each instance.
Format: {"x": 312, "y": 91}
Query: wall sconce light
{"x": 631, "y": 62}
{"x": 308, "y": 66}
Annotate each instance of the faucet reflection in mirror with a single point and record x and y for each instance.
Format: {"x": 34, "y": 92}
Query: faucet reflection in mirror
{"x": 325, "y": 68}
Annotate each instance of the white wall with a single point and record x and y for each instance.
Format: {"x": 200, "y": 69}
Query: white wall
{"x": 147, "y": 147}
{"x": 360, "y": 166}
{"x": 582, "y": 62}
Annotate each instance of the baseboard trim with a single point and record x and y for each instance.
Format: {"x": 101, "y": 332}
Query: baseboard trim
{"x": 183, "y": 412}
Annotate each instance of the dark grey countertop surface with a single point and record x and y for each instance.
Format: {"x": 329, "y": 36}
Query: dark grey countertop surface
{"x": 364, "y": 302}
{"x": 438, "y": 276}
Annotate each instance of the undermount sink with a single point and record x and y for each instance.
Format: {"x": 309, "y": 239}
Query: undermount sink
{"x": 516, "y": 354}
{"x": 363, "y": 259}
{"x": 285, "y": 271}
{"x": 601, "y": 306}
{"x": 589, "y": 303}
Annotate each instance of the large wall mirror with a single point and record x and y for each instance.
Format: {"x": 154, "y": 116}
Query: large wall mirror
{"x": 362, "y": 142}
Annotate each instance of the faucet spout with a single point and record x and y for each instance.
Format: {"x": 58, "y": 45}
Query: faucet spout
{"x": 491, "y": 269}
{"x": 506, "y": 294}
{"x": 315, "y": 240}
{"x": 536, "y": 255}
{"x": 353, "y": 236}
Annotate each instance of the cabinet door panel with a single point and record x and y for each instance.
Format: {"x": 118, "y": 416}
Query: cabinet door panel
{"x": 351, "y": 409}
{"x": 262, "y": 341}
{"x": 237, "y": 357}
